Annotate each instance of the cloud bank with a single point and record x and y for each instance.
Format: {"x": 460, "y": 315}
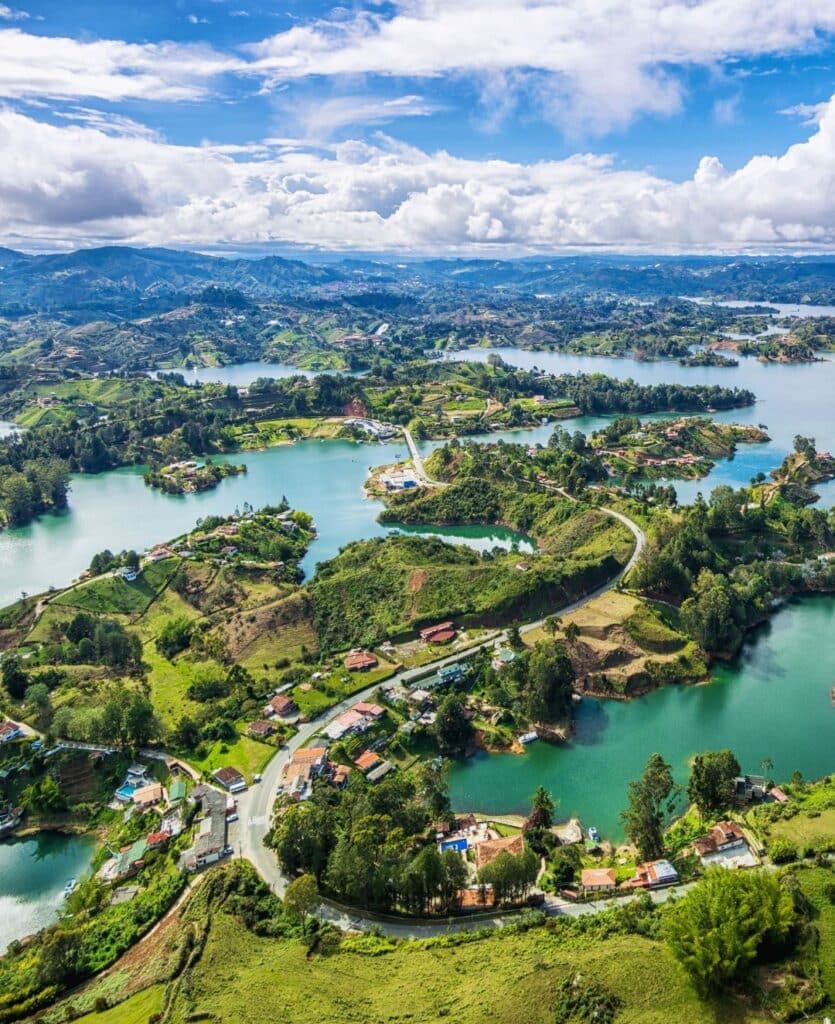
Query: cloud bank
{"x": 83, "y": 183}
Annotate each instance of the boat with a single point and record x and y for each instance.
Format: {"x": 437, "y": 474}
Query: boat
{"x": 529, "y": 737}
{"x": 594, "y": 835}
{"x": 70, "y": 887}
{"x": 832, "y": 694}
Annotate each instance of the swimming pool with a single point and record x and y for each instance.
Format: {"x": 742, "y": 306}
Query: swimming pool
{"x": 125, "y": 792}
{"x": 454, "y": 844}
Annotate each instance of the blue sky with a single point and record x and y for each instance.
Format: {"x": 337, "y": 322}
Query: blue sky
{"x": 433, "y": 125}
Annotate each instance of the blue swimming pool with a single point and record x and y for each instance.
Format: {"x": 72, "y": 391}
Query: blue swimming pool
{"x": 125, "y": 792}
{"x": 454, "y": 844}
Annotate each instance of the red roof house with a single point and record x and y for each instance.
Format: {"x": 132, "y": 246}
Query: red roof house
{"x": 360, "y": 661}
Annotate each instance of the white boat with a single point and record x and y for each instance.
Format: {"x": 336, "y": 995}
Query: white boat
{"x": 594, "y": 835}
{"x": 529, "y": 737}
{"x": 70, "y": 887}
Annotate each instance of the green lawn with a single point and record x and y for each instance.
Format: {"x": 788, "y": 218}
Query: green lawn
{"x": 247, "y": 755}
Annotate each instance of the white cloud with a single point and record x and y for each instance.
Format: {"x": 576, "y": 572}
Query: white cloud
{"x": 318, "y": 120}
{"x": 595, "y": 63}
{"x": 195, "y": 19}
{"x": 76, "y": 184}
{"x": 725, "y": 110}
{"x": 108, "y": 69}
{"x": 9, "y": 14}
{"x": 809, "y": 113}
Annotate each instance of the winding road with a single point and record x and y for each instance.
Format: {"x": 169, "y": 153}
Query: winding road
{"x": 255, "y": 805}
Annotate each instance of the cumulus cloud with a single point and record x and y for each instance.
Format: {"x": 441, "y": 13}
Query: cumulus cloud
{"x": 594, "y": 64}
{"x": 81, "y": 183}
{"x": 33, "y": 66}
{"x": 9, "y": 14}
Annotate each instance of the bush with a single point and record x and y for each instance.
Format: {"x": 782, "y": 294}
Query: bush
{"x": 782, "y": 851}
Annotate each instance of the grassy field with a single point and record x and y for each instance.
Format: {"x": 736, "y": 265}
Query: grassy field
{"x": 815, "y": 883}
{"x": 136, "y": 1010}
{"x": 627, "y": 645}
{"x": 111, "y": 595}
{"x": 500, "y": 979}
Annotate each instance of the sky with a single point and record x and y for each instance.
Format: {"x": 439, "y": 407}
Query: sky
{"x": 466, "y": 127}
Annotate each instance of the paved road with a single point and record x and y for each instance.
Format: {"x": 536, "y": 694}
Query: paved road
{"x": 417, "y": 462}
{"x": 255, "y": 805}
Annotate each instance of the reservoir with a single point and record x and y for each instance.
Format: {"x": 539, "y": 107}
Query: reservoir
{"x": 33, "y": 873}
{"x": 773, "y": 701}
{"x": 116, "y": 510}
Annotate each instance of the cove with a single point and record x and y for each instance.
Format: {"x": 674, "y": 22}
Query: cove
{"x": 773, "y": 701}
{"x": 116, "y": 510}
{"x": 794, "y": 398}
{"x": 33, "y": 873}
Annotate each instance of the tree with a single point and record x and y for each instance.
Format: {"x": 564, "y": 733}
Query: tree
{"x": 15, "y": 679}
{"x": 453, "y": 728}
{"x": 551, "y": 625}
{"x": 720, "y": 926}
{"x": 711, "y": 785}
{"x": 572, "y": 633}
{"x": 301, "y": 899}
{"x": 542, "y": 809}
{"x": 549, "y": 683}
{"x": 431, "y": 777}
{"x": 187, "y": 733}
{"x": 174, "y": 636}
{"x": 652, "y": 799}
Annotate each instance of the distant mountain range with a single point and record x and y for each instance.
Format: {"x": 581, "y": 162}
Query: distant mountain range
{"x": 127, "y": 281}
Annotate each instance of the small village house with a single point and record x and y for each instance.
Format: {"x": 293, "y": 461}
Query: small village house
{"x": 597, "y": 879}
{"x": 231, "y": 779}
{"x": 360, "y": 661}
{"x": 147, "y": 796}
{"x": 261, "y": 729}
{"x": 281, "y": 706}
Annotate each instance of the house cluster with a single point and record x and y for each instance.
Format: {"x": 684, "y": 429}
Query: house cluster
{"x": 373, "y": 766}
{"x": 359, "y": 718}
{"x": 379, "y": 431}
{"x": 130, "y": 858}
{"x": 305, "y": 766}
{"x": 466, "y": 833}
{"x": 210, "y": 837}
{"x": 725, "y": 844}
{"x": 653, "y": 874}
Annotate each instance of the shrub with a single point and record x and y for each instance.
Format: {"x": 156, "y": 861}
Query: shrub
{"x": 782, "y": 851}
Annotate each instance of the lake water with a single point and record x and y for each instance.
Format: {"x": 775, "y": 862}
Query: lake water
{"x": 117, "y": 510}
{"x": 33, "y": 873}
{"x": 772, "y": 702}
{"x": 791, "y": 399}
{"x": 243, "y": 374}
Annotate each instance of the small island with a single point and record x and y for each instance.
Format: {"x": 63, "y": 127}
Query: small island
{"x": 191, "y": 476}
{"x": 708, "y": 357}
{"x": 684, "y": 448}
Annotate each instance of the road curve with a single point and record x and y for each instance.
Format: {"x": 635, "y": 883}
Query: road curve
{"x": 255, "y": 805}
